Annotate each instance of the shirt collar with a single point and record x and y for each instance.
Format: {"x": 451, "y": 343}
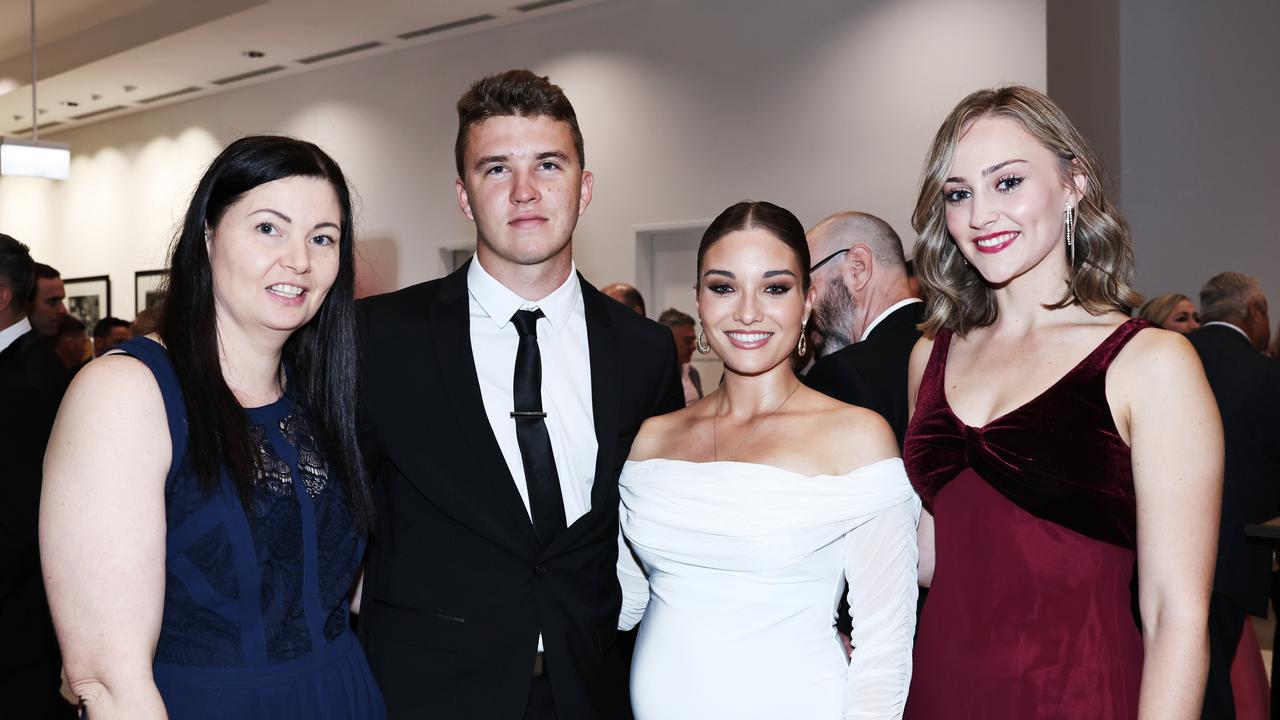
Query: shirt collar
{"x": 500, "y": 303}
{"x": 1233, "y": 327}
{"x": 13, "y": 332}
{"x": 887, "y": 312}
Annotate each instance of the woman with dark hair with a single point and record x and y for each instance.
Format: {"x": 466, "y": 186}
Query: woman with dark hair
{"x": 200, "y": 549}
{"x": 750, "y": 509}
{"x": 1058, "y": 446}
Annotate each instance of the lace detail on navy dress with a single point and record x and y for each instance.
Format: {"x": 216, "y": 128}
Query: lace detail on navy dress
{"x": 269, "y": 471}
{"x": 312, "y": 464}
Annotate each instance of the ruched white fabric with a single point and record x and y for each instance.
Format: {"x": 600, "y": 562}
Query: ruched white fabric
{"x": 745, "y": 565}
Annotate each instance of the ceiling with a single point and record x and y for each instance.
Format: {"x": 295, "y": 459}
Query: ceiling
{"x": 100, "y": 59}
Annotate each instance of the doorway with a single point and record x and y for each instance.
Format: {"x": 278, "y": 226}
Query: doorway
{"x": 666, "y": 269}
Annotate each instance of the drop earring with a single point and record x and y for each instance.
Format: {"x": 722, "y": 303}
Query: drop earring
{"x": 1069, "y": 216}
{"x": 701, "y": 343}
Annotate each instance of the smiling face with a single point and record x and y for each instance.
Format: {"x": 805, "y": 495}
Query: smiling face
{"x": 1183, "y": 318}
{"x": 1004, "y": 200}
{"x": 750, "y": 300}
{"x": 274, "y": 255}
{"x": 524, "y": 189}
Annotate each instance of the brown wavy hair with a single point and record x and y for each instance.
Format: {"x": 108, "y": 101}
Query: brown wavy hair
{"x": 957, "y": 296}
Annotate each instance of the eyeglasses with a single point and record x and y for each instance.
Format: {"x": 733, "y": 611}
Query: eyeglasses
{"x": 827, "y": 259}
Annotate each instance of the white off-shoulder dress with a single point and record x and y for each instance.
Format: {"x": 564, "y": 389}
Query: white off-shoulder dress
{"x": 745, "y": 565}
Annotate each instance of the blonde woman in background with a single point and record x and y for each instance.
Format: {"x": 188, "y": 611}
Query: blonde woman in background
{"x": 1172, "y": 311}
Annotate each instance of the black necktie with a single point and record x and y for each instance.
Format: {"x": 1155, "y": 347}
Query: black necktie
{"x": 546, "y": 504}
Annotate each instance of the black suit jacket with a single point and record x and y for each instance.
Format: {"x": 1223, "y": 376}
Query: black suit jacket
{"x": 32, "y": 382}
{"x": 873, "y": 373}
{"x": 1246, "y": 384}
{"x": 456, "y": 590}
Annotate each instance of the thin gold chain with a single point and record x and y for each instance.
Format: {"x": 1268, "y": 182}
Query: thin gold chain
{"x": 715, "y": 444}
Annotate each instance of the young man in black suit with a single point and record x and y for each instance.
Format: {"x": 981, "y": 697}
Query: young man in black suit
{"x": 32, "y": 382}
{"x": 866, "y": 314}
{"x": 494, "y": 445}
{"x": 1235, "y": 330}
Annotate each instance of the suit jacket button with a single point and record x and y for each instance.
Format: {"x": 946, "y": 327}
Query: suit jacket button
{"x": 540, "y": 569}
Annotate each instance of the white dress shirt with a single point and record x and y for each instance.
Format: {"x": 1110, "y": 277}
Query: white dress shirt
{"x": 10, "y": 334}
{"x": 566, "y": 380}
{"x": 887, "y": 312}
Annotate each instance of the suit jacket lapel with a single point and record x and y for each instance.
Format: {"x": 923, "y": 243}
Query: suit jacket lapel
{"x": 602, "y": 341}
{"x": 602, "y": 346}
{"x": 451, "y": 327}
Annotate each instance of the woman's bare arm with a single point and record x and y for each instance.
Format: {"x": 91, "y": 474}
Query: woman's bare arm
{"x": 102, "y": 536}
{"x": 1176, "y": 436}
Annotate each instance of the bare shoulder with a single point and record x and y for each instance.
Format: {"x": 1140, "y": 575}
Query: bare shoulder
{"x": 115, "y": 378}
{"x": 113, "y": 386}
{"x": 1154, "y": 356}
{"x": 921, "y": 350}
{"x": 920, "y": 354}
{"x": 122, "y": 389}
{"x": 847, "y": 437}
{"x": 658, "y": 434}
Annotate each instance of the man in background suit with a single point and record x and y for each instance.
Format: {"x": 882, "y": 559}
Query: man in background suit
{"x": 866, "y": 314}
{"x": 495, "y": 444}
{"x": 46, "y": 306}
{"x": 32, "y": 381}
{"x": 1246, "y": 384}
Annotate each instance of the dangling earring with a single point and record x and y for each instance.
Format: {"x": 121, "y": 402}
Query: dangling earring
{"x": 701, "y": 343}
{"x": 1070, "y": 218}
{"x": 802, "y": 347}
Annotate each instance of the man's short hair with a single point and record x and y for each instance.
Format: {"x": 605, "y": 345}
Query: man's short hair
{"x": 859, "y": 227}
{"x": 17, "y": 269}
{"x": 518, "y": 93}
{"x": 70, "y": 325}
{"x": 103, "y": 327}
{"x": 1226, "y": 297}
{"x": 42, "y": 272}
{"x": 672, "y": 317}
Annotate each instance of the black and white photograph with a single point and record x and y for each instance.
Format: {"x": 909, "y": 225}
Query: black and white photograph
{"x": 148, "y": 289}
{"x": 88, "y": 298}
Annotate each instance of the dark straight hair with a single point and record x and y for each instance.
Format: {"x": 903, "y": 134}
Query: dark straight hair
{"x": 320, "y": 357}
{"x": 759, "y": 215}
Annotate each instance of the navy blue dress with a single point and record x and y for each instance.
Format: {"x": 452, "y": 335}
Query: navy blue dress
{"x": 255, "y": 611}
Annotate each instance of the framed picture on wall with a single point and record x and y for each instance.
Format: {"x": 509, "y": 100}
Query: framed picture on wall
{"x": 88, "y": 298}
{"x": 148, "y": 289}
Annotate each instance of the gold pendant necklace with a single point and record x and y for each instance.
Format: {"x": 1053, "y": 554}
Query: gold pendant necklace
{"x": 715, "y": 444}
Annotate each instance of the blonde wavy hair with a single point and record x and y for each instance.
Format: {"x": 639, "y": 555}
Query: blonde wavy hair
{"x": 957, "y": 296}
{"x": 1159, "y": 308}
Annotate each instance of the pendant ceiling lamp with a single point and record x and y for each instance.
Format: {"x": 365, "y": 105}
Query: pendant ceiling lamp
{"x": 34, "y": 157}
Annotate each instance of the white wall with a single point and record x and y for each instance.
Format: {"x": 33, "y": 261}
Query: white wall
{"x": 686, "y": 107}
{"x": 1200, "y": 98}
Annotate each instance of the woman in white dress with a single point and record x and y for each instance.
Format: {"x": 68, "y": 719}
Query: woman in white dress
{"x": 750, "y": 509}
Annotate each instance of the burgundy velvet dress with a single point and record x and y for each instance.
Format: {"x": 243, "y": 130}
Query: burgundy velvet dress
{"x": 1030, "y": 614}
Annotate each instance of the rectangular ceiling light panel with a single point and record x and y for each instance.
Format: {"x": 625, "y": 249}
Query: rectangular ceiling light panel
{"x": 35, "y": 159}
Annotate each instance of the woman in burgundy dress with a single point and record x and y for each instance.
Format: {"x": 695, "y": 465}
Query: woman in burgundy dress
{"x": 1070, "y": 459}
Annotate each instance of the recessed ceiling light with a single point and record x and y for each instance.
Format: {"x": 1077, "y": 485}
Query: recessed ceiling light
{"x": 130, "y": 88}
{"x": 95, "y": 97}
{"x": 69, "y": 103}
{"x": 253, "y": 54}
